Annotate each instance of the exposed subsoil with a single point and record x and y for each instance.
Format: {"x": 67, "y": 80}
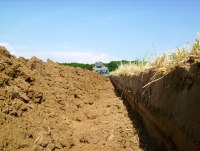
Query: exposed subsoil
{"x": 45, "y": 106}
{"x": 168, "y": 107}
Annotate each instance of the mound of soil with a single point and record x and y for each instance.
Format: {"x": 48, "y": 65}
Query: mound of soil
{"x": 45, "y": 106}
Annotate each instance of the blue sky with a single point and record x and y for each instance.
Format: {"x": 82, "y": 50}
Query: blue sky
{"x": 89, "y": 31}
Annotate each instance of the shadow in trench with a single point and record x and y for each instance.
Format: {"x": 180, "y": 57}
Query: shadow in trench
{"x": 144, "y": 138}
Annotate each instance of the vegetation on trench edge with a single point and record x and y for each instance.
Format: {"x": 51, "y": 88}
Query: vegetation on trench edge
{"x": 164, "y": 64}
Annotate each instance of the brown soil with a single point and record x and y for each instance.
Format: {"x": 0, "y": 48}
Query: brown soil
{"x": 45, "y": 106}
{"x": 169, "y": 107}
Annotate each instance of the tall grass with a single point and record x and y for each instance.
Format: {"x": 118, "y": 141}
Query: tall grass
{"x": 132, "y": 68}
{"x": 163, "y": 64}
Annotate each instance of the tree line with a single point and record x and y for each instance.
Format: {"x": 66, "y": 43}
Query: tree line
{"x": 112, "y": 66}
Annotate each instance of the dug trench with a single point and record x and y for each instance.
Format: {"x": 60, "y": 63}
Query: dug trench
{"x": 169, "y": 107}
{"x": 45, "y": 106}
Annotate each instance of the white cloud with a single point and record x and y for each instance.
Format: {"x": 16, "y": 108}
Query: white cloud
{"x": 17, "y": 50}
{"x": 66, "y": 53}
{"x": 7, "y": 45}
{"x": 80, "y": 57}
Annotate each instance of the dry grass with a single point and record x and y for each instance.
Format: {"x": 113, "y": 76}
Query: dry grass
{"x": 46, "y": 131}
{"x": 162, "y": 65}
{"x": 131, "y": 69}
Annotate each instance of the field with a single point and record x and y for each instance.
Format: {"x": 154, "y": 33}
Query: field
{"x": 45, "y": 106}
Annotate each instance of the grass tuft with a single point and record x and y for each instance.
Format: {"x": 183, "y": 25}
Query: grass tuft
{"x": 162, "y": 65}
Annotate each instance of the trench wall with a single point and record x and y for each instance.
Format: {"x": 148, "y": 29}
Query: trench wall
{"x": 169, "y": 107}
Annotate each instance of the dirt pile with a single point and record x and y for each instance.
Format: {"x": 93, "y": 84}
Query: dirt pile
{"x": 45, "y": 106}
